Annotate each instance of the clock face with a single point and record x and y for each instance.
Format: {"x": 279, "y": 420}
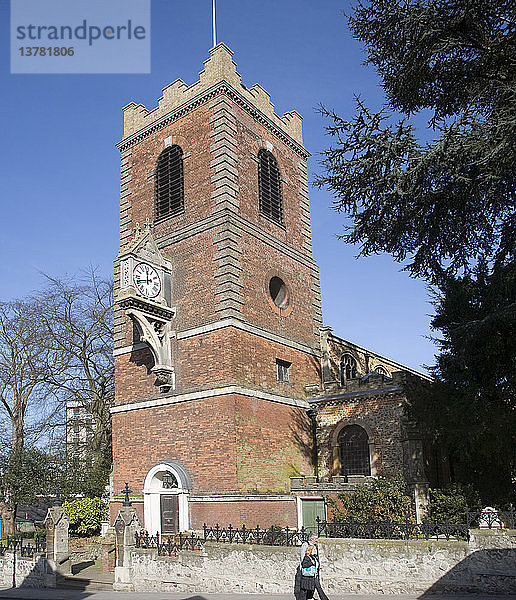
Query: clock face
{"x": 146, "y": 280}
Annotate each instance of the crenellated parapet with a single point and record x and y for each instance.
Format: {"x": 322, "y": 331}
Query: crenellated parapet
{"x": 220, "y": 67}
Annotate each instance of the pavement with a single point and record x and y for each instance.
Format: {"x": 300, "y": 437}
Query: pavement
{"x": 46, "y": 594}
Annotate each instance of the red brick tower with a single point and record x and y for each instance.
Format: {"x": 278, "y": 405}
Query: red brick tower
{"x": 218, "y": 306}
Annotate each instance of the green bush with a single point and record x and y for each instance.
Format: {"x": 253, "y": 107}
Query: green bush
{"x": 382, "y": 499}
{"x": 449, "y": 504}
{"x": 86, "y": 515}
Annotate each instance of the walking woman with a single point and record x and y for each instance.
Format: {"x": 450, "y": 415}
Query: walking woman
{"x": 309, "y": 580}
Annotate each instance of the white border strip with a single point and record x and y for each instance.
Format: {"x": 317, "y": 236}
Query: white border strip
{"x": 241, "y": 498}
{"x": 224, "y": 391}
{"x": 229, "y": 322}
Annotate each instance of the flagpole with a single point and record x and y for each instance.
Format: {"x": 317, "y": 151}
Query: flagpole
{"x": 214, "y": 27}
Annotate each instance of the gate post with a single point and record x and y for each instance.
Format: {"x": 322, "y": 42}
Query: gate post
{"x": 126, "y": 526}
{"x": 108, "y": 551}
{"x": 57, "y": 524}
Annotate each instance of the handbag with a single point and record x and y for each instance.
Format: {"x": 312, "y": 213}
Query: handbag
{"x": 311, "y": 570}
{"x": 308, "y": 571}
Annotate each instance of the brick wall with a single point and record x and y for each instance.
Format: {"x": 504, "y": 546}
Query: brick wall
{"x": 262, "y": 250}
{"x": 251, "y": 513}
{"x": 225, "y": 356}
{"x": 273, "y": 444}
{"x": 227, "y": 444}
{"x": 223, "y": 254}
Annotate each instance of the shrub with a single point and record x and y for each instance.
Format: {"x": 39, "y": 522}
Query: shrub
{"x": 382, "y": 499}
{"x": 449, "y": 504}
{"x": 86, "y": 515}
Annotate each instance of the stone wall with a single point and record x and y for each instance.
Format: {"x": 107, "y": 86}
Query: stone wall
{"x": 484, "y": 565}
{"x": 36, "y": 572}
{"x": 379, "y": 413}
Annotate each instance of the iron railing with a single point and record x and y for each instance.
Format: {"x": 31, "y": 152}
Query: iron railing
{"x": 274, "y": 536}
{"x": 171, "y": 545}
{"x": 407, "y": 530}
{"x": 26, "y": 548}
{"x": 347, "y": 528}
{"x": 391, "y": 530}
{"x": 491, "y": 519}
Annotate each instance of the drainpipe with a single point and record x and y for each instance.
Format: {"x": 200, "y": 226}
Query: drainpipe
{"x": 312, "y": 414}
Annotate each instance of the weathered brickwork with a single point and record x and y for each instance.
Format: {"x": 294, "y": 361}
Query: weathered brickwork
{"x": 217, "y": 440}
{"x": 213, "y": 376}
{"x": 133, "y": 378}
{"x": 198, "y": 434}
{"x": 125, "y": 235}
{"x": 226, "y": 356}
{"x": 232, "y": 356}
{"x": 272, "y": 445}
{"x": 224, "y": 150}
{"x": 252, "y": 512}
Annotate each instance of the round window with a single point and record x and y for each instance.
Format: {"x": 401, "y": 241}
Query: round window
{"x": 278, "y": 292}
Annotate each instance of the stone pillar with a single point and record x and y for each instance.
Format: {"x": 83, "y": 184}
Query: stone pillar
{"x": 108, "y": 551}
{"x": 414, "y": 468}
{"x": 57, "y": 524}
{"x": 126, "y": 526}
{"x": 421, "y": 499}
{"x": 327, "y": 376}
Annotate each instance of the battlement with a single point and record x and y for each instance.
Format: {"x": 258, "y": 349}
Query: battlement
{"x": 219, "y": 67}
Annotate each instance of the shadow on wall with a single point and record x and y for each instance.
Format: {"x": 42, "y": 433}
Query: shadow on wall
{"x": 301, "y": 433}
{"x": 37, "y": 574}
{"x": 491, "y": 571}
{"x": 20, "y": 574}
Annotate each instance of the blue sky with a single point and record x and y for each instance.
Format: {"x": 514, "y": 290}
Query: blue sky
{"x": 59, "y": 174}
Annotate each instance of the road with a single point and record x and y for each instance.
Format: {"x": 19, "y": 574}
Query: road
{"x": 38, "y": 594}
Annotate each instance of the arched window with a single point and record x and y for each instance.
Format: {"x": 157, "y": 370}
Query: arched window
{"x": 348, "y": 368}
{"x": 381, "y": 371}
{"x": 354, "y": 451}
{"x": 269, "y": 186}
{"x": 169, "y": 182}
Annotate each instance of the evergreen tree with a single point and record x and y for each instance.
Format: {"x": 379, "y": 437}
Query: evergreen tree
{"x": 443, "y": 204}
{"x": 444, "y": 207}
{"x": 470, "y": 406}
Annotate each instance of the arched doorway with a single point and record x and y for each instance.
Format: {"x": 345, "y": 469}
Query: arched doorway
{"x": 165, "y": 499}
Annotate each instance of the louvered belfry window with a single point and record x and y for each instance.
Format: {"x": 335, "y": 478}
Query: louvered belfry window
{"x": 169, "y": 182}
{"x": 269, "y": 187}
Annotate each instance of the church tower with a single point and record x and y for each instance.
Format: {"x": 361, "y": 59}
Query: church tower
{"x": 218, "y": 306}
